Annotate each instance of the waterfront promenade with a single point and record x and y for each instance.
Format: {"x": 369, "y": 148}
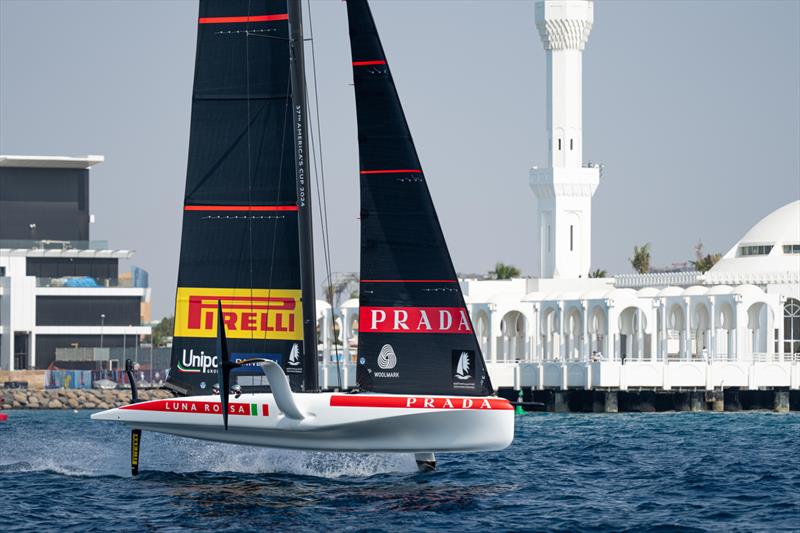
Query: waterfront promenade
{"x": 762, "y": 382}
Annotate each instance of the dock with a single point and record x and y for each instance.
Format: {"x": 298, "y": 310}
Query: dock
{"x": 763, "y": 382}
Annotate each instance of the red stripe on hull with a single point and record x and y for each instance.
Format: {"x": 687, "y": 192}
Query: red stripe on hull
{"x": 420, "y": 402}
{"x": 199, "y": 408}
{"x": 240, "y": 208}
{"x": 235, "y": 20}
{"x": 368, "y": 63}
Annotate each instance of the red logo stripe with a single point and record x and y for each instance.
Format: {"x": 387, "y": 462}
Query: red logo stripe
{"x": 420, "y": 402}
{"x": 240, "y": 208}
{"x": 233, "y": 20}
{"x": 367, "y": 63}
{"x": 397, "y": 171}
{"x": 413, "y": 320}
{"x": 199, "y": 408}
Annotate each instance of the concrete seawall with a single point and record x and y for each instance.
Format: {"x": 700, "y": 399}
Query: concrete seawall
{"x": 73, "y": 398}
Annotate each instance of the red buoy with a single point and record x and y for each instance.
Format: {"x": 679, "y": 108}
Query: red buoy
{"x": 3, "y": 417}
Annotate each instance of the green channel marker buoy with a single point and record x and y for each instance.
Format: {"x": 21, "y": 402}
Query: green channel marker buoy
{"x": 518, "y": 409}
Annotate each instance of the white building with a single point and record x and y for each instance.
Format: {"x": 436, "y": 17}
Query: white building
{"x": 58, "y": 289}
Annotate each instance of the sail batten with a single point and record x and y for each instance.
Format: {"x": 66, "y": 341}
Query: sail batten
{"x": 240, "y": 208}
{"x": 415, "y": 334}
{"x": 368, "y": 63}
{"x": 392, "y": 171}
{"x": 241, "y": 19}
{"x": 409, "y": 281}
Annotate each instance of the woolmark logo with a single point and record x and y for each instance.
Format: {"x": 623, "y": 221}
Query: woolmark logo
{"x": 387, "y": 359}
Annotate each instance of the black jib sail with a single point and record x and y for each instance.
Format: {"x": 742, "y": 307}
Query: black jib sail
{"x": 415, "y": 335}
{"x": 242, "y": 222}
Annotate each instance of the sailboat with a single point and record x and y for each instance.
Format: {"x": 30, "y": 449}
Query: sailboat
{"x": 244, "y": 359}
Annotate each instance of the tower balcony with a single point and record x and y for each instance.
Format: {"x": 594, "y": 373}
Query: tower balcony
{"x": 552, "y": 182}
{"x": 565, "y": 24}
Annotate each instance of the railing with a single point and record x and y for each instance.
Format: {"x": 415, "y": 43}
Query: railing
{"x": 72, "y": 282}
{"x": 46, "y": 244}
{"x": 657, "y": 279}
{"x": 672, "y": 358}
{"x": 756, "y": 278}
{"x": 769, "y": 358}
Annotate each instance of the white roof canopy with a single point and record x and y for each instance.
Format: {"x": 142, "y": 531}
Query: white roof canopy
{"x": 47, "y": 161}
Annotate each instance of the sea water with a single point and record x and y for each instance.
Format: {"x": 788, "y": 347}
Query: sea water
{"x": 638, "y": 472}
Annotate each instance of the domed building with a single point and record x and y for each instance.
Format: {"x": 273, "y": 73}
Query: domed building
{"x": 759, "y": 275}
{"x": 659, "y": 330}
{"x": 770, "y": 249}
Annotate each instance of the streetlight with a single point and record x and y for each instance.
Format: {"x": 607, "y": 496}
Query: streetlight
{"x": 151, "y": 356}
{"x": 102, "y": 320}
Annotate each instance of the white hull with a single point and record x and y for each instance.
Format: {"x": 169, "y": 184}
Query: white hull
{"x": 333, "y": 422}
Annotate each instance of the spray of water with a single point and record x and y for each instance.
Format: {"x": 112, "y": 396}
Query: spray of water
{"x": 102, "y": 450}
{"x": 214, "y": 457}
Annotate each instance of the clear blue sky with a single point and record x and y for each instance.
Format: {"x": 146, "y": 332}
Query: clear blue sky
{"x": 693, "y": 107}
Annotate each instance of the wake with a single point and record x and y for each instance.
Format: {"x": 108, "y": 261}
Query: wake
{"x": 219, "y": 458}
{"x": 84, "y": 457}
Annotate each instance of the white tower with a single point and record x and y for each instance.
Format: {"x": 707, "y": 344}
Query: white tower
{"x": 564, "y": 189}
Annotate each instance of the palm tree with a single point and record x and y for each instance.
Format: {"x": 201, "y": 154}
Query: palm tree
{"x": 598, "y": 273}
{"x": 337, "y": 285}
{"x": 503, "y": 271}
{"x": 704, "y": 264}
{"x": 163, "y": 330}
{"x": 641, "y": 258}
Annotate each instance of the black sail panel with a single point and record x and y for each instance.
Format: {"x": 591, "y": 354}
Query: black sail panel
{"x": 240, "y": 242}
{"x": 415, "y": 335}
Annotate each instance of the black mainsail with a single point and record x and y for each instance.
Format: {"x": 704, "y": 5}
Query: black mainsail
{"x": 246, "y": 237}
{"x": 415, "y": 334}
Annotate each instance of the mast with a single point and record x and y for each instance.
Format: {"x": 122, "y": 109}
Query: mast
{"x": 304, "y": 220}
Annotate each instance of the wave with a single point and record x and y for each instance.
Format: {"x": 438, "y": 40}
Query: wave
{"x": 46, "y": 465}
